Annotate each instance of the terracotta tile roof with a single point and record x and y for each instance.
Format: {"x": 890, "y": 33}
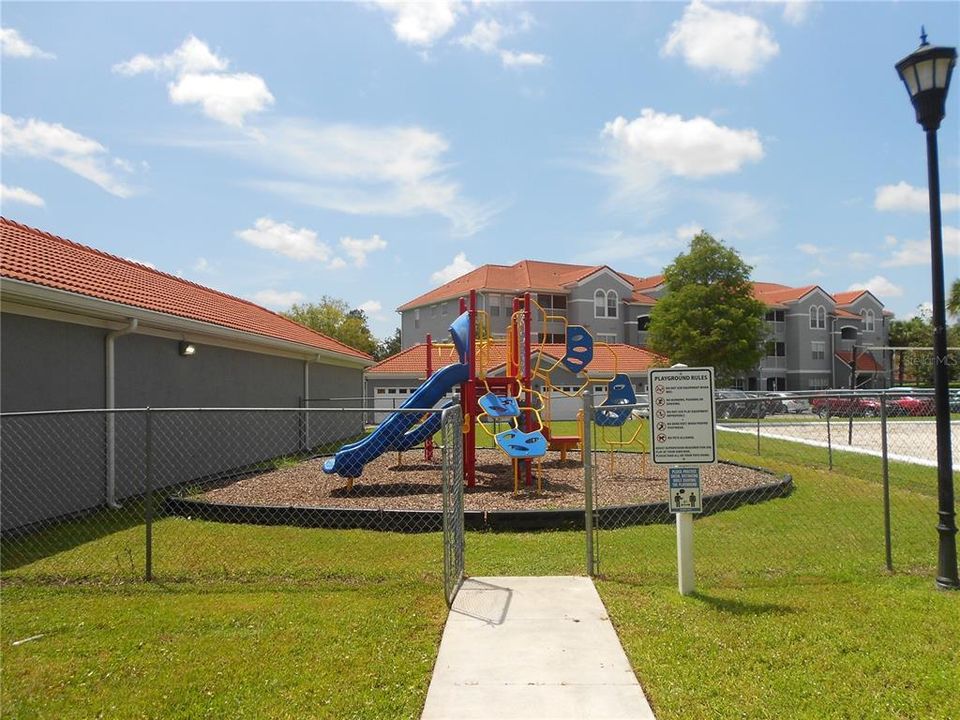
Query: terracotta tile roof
{"x": 846, "y": 314}
{"x": 412, "y": 361}
{"x": 845, "y": 298}
{"x": 865, "y": 361}
{"x": 38, "y": 257}
{"x": 526, "y": 275}
{"x": 648, "y": 283}
{"x": 773, "y": 293}
{"x": 640, "y": 299}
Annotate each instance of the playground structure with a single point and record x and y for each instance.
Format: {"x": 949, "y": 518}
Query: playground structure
{"x": 491, "y": 400}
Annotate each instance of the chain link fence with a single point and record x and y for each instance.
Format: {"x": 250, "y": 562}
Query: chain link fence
{"x": 125, "y": 494}
{"x": 818, "y": 482}
{"x": 808, "y": 483}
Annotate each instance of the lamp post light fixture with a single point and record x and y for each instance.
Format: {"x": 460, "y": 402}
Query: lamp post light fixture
{"x": 187, "y": 349}
{"x": 926, "y": 74}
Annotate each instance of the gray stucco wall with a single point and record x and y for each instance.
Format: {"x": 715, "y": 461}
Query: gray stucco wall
{"x": 56, "y": 464}
{"x": 47, "y": 365}
{"x": 581, "y": 306}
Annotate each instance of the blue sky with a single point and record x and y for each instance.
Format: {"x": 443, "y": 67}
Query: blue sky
{"x": 369, "y": 151}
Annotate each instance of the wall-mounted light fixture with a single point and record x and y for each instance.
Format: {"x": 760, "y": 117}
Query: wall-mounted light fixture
{"x": 187, "y": 349}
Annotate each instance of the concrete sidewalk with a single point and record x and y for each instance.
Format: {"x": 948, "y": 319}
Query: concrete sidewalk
{"x": 532, "y": 647}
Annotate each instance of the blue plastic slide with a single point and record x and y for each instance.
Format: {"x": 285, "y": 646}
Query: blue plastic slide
{"x": 392, "y": 433}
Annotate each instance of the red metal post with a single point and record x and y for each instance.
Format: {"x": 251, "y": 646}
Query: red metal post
{"x": 428, "y": 443}
{"x": 527, "y": 378}
{"x": 470, "y": 401}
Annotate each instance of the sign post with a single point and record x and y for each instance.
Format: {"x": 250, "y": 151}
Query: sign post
{"x": 683, "y": 436}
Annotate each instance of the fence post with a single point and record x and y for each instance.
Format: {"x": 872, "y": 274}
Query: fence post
{"x": 588, "y": 476}
{"x": 887, "y": 544}
{"x": 758, "y": 425}
{"x": 148, "y": 506}
{"x": 829, "y": 439}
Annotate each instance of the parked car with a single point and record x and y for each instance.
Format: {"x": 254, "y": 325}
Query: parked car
{"x": 643, "y": 401}
{"x": 788, "y": 403}
{"x": 739, "y": 404}
{"x": 955, "y": 400}
{"x": 840, "y": 405}
{"x": 915, "y": 405}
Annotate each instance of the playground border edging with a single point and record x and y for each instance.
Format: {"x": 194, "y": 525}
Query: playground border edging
{"x": 416, "y": 521}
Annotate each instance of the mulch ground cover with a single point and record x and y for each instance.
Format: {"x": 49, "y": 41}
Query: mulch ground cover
{"x": 407, "y": 482}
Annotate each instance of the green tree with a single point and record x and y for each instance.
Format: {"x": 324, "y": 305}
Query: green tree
{"x": 953, "y": 303}
{"x": 388, "y": 346}
{"x": 335, "y": 318}
{"x": 709, "y": 315}
{"x": 915, "y": 367}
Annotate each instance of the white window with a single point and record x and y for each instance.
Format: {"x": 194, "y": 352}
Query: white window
{"x": 416, "y": 318}
{"x": 606, "y": 304}
{"x": 818, "y": 317}
{"x": 819, "y": 383}
{"x": 607, "y": 338}
{"x": 443, "y": 308}
{"x": 381, "y": 391}
{"x": 869, "y": 320}
{"x": 493, "y": 300}
{"x": 818, "y": 349}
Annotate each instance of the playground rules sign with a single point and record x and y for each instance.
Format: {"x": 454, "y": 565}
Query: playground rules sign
{"x": 682, "y": 416}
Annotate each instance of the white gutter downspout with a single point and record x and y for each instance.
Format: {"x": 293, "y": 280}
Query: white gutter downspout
{"x": 110, "y": 392}
{"x": 306, "y": 396}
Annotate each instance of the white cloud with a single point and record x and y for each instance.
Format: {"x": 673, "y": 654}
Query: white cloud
{"x": 509, "y": 58}
{"x": 357, "y": 249}
{"x": 796, "y": 12}
{"x": 75, "y": 152}
{"x": 227, "y": 98}
{"x": 859, "y": 258}
{"x": 688, "y": 232}
{"x": 459, "y": 266}
{"x": 277, "y": 299}
{"x": 373, "y": 309}
{"x": 13, "y": 45}
{"x": 917, "y": 252}
{"x": 11, "y": 194}
{"x": 890, "y": 240}
{"x": 739, "y": 215}
{"x": 284, "y": 239}
{"x": 193, "y": 56}
{"x": 487, "y": 34}
{"x": 708, "y": 38}
{"x": 816, "y": 273}
{"x": 201, "y": 265}
{"x": 809, "y": 249}
{"x": 396, "y": 171}
{"x": 690, "y": 148}
{"x": 879, "y": 286}
{"x": 907, "y": 198}
{"x": 422, "y": 23}
{"x": 618, "y": 246}
{"x": 200, "y": 79}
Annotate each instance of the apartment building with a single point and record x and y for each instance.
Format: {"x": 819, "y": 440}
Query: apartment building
{"x": 804, "y": 346}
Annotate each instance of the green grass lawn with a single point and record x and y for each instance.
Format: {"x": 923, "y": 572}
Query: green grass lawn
{"x": 795, "y": 615}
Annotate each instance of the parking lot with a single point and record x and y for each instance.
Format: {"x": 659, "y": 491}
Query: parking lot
{"x": 913, "y": 441}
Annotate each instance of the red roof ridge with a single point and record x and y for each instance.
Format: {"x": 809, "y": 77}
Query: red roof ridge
{"x": 175, "y": 278}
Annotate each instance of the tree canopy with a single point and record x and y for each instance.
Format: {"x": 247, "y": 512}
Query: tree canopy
{"x": 916, "y": 367}
{"x": 388, "y": 346}
{"x": 335, "y": 318}
{"x": 709, "y": 315}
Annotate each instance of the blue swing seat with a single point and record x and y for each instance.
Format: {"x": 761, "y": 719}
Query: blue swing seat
{"x": 499, "y": 407}
{"x": 518, "y": 444}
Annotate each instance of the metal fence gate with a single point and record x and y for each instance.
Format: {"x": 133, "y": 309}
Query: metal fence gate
{"x": 451, "y": 434}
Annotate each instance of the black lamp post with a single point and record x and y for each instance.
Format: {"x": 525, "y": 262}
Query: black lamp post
{"x": 926, "y": 75}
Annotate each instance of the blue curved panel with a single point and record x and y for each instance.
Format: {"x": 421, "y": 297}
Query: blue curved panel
{"x": 518, "y": 444}
{"x": 499, "y": 407}
{"x": 579, "y": 349}
{"x": 460, "y": 331}
{"x": 619, "y": 392}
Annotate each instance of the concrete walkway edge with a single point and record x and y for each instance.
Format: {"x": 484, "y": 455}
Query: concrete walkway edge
{"x": 519, "y": 648}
